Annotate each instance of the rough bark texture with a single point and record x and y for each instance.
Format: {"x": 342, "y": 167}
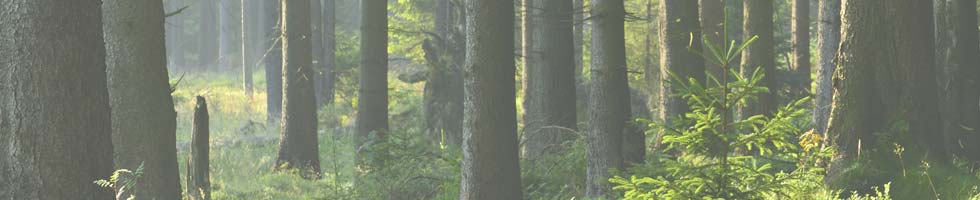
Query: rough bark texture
{"x": 298, "y": 147}
{"x": 957, "y": 70}
{"x": 327, "y": 73}
{"x": 880, "y": 79}
{"x": 372, "y": 107}
{"x": 549, "y": 81}
{"x": 490, "y": 168}
{"x": 828, "y": 39}
{"x": 760, "y": 54}
{"x": 800, "y": 26}
{"x": 144, "y": 122}
{"x": 680, "y": 41}
{"x": 54, "y": 111}
{"x": 609, "y": 107}
{"x": 273, "y": 62}
{"x": 198, "y": 166}
{"x": 443, "y": 97}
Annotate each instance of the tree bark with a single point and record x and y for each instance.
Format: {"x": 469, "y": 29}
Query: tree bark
{"x": 801, "y": 46}
{"x": 372, "y": 107}
{"x": 298, "y": 145}
{"x": 758, "y": 20}
{"x": 490, "y": 168}
{"x": 957, "y": 72}
{"x": 144, "y": 122}
{"x": 713, "y": 27}
{"x": 229, "y": 51}
{"x": 328, "y": 73}
{"x": 609, "y": 106}
{"x": 209, "y": 34}
{"x": 679, "y": 60}
{"x": 250, "y": 31}
{"x": 549, "y": 80}
{"x": 55, "y": 126}
{"x": 828, "y": 33}
{"x": 443, "y": 97}
{"x": 198, "y": 166}
{"x": 316, "y": 16}
{"x": 273, "y": 62}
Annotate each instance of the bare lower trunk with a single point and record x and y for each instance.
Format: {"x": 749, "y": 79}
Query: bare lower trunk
{"x": 298, "y": 145}
{"x": 609, "y": 106}
{"x": 828, "y": 31}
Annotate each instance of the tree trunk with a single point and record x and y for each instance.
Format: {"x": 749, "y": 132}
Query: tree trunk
{"x": 372, "y": 107}
{"x": 316, "y": 16}
{"x": 298, "y": 145}
{"x": 249, "y": 24}
{"x": 209, "y": 34}
{"x": 198, "y": 166}
{"x": 801, "y": 46}
{"x": 490, "y": 168}
{"x": 828, "y": 40}
{"x": 273, "y": 62}
{"x": 609, "y": 106}
{"x": 679, "y": 60}
{"x": 144, "y": 122}
{"x": 55, "y": 126}
{"x": 229, "y": 52}
{"x": 578, "y": 30}
{"x": 957, "y": 73}
{"x": 443, "y": 97}
{"x": 760, "y": 54}
{"x": 328, "y": 72}
{"x": 713, "y": 27}
{"x": 879, "y": 82}
{"x": 549, "y": 97}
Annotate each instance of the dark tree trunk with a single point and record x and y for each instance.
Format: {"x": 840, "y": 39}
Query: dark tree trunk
{"x": 443, "y": 97}
{"x": 328, "y": 73}
{"x": 144, "y": 122}
{"x": 828, "y": 33}
{"x": 758, "y": 22}
{"x": 198, "y": 166}
{"x": 250, "y": 39}
{"x": 549, "y": 80}
{"x": 957, "y": 70}
{"x": 372, "y": 107}
{"x": 209, "y": 34}
{"x": 713, "y": 27}
{"x": 316, "y": 20}
{"x": 801, "y": 47}
{"x": 680, "y": 39}
{"x": 490, "y": 168}
{"x": 298, "y": 145}
{"x": 273, "y": 62}
{"x": 55, "y": 126}
{"x": 609, "y": 107}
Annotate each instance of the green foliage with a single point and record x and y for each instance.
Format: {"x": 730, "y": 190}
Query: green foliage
{"x": 123, "y": 180}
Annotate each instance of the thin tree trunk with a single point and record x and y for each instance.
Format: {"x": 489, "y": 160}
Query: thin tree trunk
{"x": 198, "y": 166}
{"x": 609, "y": 106}
{"x": 549, "y": 80}
{"x": 298, "y": 145}
{"x": 273, "y": 63}
{"x": 229, "y": 51}
{"x": 490, "y": 168}
{"x": 372, "y": 107}
{"x": 758, "y": 20}
{"x": 329, "y": 35}
{"x": 829, "y": 33}
{"x": 316, "y": 14}
{"x": 249, "y": 25}
{"x": 144, "y": 122}
{"x": 55, "y": 126}
{"x": 801, "y": 46}
{"x": 209, "y": 34}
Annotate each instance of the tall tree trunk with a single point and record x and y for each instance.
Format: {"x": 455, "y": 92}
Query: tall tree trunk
{"x": 250, "y": 31}
{"x": 880, "y": 78}
{"x": 957, "y": 72}
{"x": 679, "y": 60}
{"x": 550, "y": 80}
{"x": 198, "y": 164}
{"x": 609, "y": 107}
{"x": 328, "y": 71}
{"x": 490, "y": 168}
{"x": 758, "y": 20}
{"x": 443, "y": 97}
{"x": 801, "y": 46}
{"x": 578, "y": 30}
{"x": 298, "y": 145}
{"x": 273, "y": 62}
{"x": 209, "y": 34}
{"x": 372, "y": 107}
{"x": 55, "y": 126}
{"x": 828, "y": 39}
{"x": 144, "y": 122}
{"x": 713, "y": 27}
{"x": 229, "y": 52}
{"x": 316, "y": 16}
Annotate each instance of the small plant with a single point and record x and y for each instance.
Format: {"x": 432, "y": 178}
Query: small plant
{"x": 123, "y": 180}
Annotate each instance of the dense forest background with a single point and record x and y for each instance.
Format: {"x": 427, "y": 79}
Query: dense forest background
{"x": 489, "y": 99}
